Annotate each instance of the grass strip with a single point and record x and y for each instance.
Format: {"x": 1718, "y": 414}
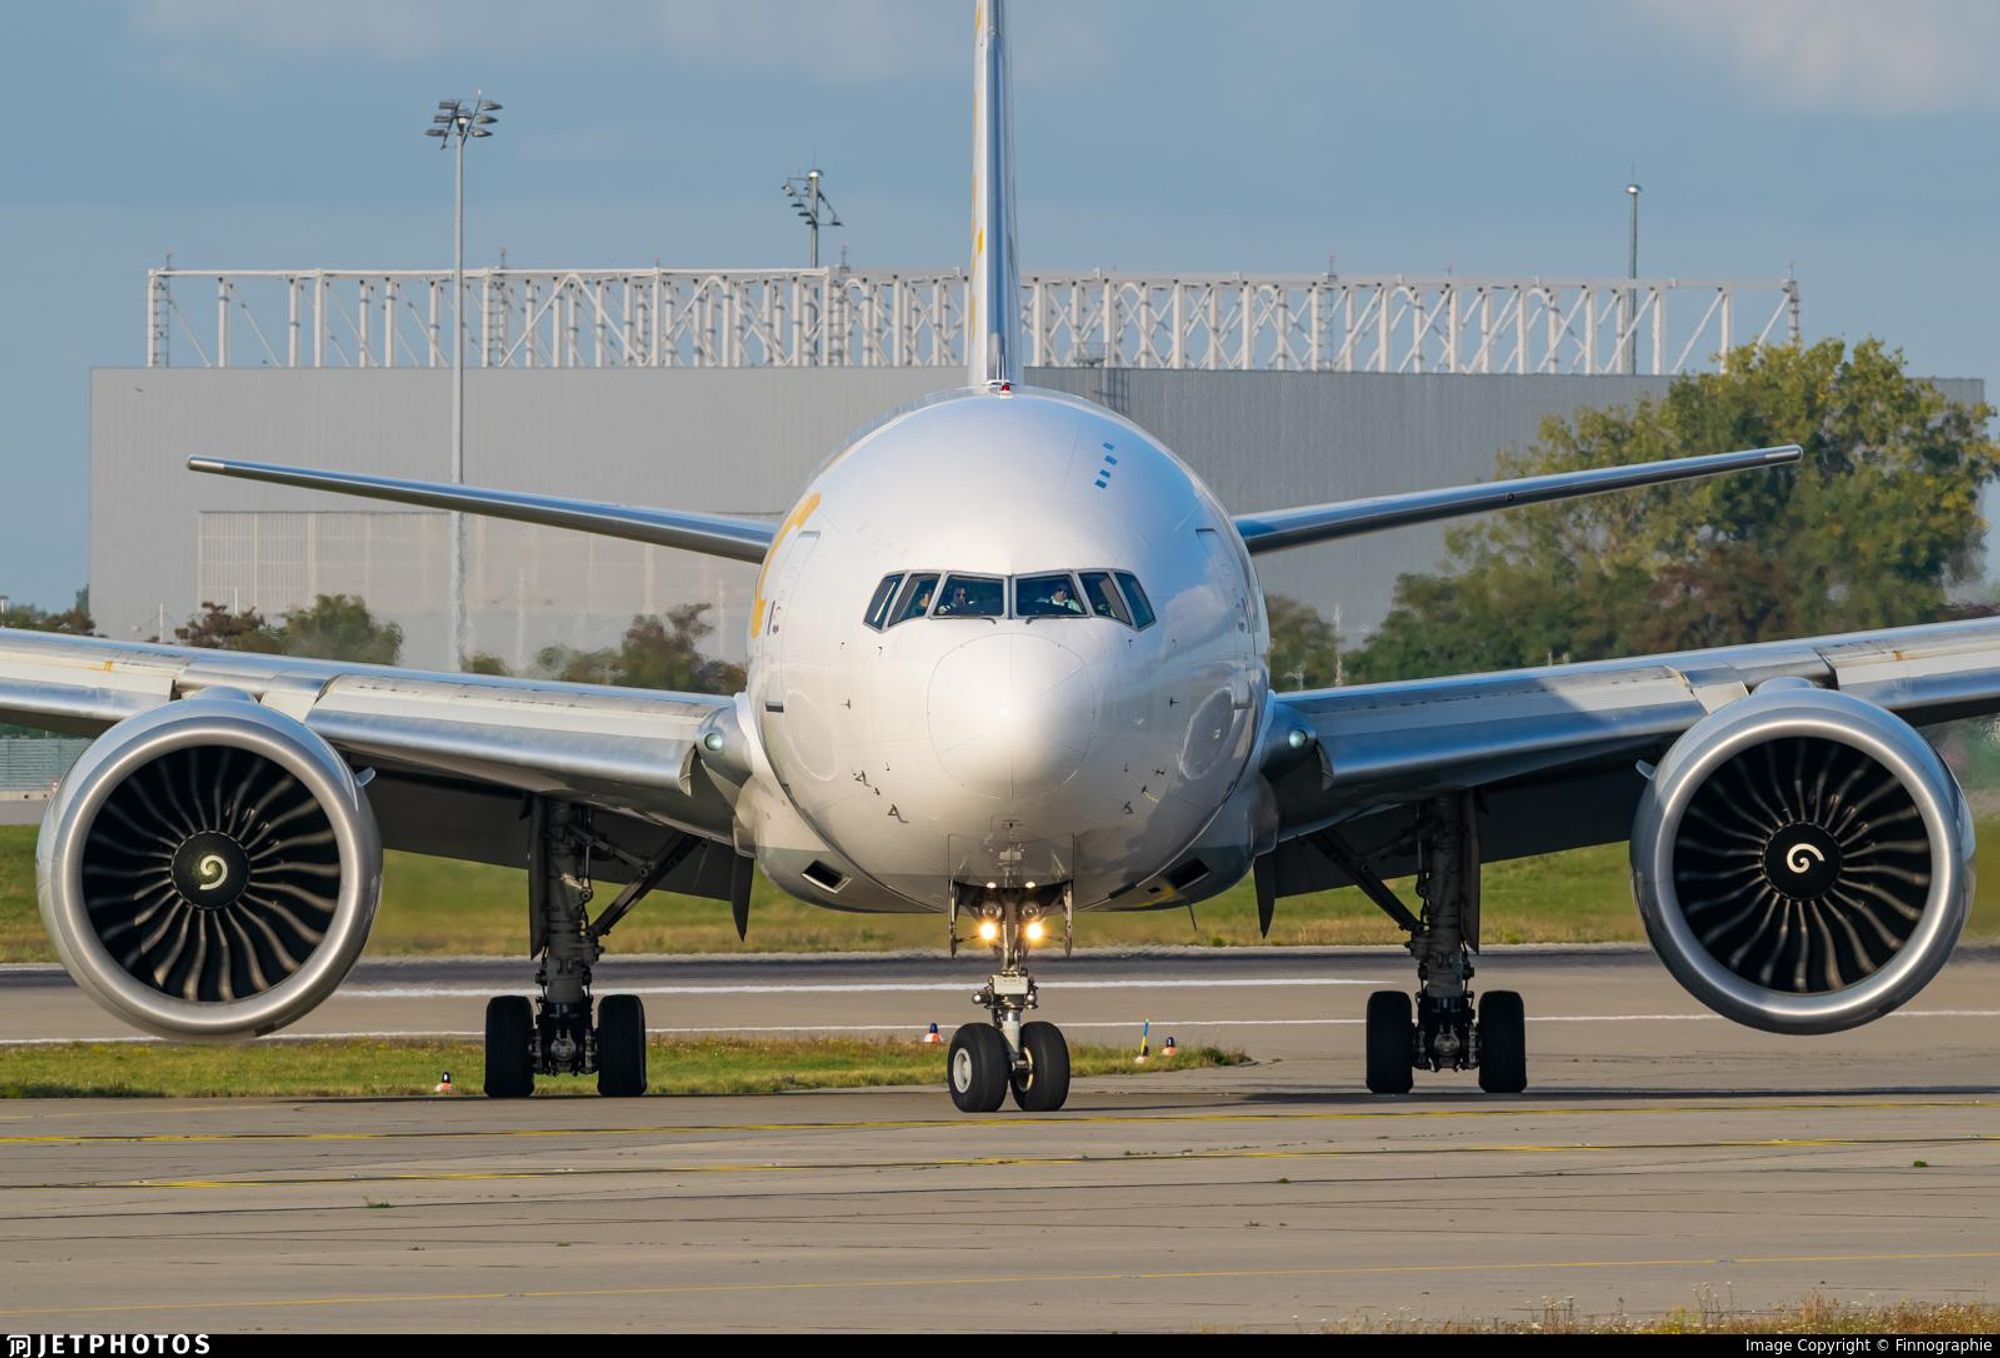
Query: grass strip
{"x": 1710, "y": 1314}
{"x": 376, "y": 1068}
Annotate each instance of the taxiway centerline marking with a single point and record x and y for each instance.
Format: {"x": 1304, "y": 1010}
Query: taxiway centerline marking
{"x": 1697, "y": 1104}
{"x": 572, "y": 1173}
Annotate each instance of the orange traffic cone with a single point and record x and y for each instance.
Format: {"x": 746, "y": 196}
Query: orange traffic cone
{"x": 444, "y": 1085}
{"x": 1168, "y": 1050}
{"x": 932, "y": 1036}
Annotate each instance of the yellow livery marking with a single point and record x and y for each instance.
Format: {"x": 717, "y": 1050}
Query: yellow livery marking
{"x": 795, "y": 520}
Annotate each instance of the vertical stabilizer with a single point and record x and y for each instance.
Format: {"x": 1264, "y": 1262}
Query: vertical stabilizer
{"x": 993, "y": 302}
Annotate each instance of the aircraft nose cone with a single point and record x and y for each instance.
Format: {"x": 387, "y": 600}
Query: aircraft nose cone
{"x": 1011, "y": 715}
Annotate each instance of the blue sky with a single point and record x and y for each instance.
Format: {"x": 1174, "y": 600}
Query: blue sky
{"x": 1853, "y": 141}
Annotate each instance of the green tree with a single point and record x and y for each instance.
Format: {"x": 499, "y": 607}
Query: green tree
{"x": 216, "y": 628}
{"x": 75, "y": 620}
{"x": 1305, "y": 649}
{"x": 1870, "y": 530}
{"x": 335, "y": 627}
{"x": 484, "y": 662}
{"x": 661, "y": 652}
{"x": 340, "y": 627}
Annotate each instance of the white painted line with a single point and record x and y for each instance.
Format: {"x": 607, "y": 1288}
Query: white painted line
{"x": 377, "y": 992}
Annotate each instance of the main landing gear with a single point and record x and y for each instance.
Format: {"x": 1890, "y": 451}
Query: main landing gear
{"x": 987, "y": 1061}
{"x": 557, "y": 1034}
{"x": 1447, "y": 1028}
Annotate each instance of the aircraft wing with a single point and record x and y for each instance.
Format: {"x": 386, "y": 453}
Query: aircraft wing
{"x": 1554, "y": 753}
{"x": 455, "y": 755}
{"x": 1275, "y": 530}
{"x": 710, "y": 534}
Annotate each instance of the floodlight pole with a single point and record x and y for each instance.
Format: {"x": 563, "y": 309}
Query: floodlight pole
{"x": 458, "y": 121}
{"x": 810, "y": 202}
{"x": 1632, "y": 294}
{"x": 812, "y": 219}
{"x": 460, "y": 619}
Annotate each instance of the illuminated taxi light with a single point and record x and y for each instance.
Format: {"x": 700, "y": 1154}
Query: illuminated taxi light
{"x": 1036, "y": 929}
{"x": 988, "y": 931}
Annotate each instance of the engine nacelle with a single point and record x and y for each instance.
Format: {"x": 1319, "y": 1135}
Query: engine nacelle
{"x": 1803, "y": 860}
{"x": 209, "y": 869}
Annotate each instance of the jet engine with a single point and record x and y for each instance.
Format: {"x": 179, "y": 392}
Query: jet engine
{"x": 1803, "y": 860}
{"x": 209, "y": 869}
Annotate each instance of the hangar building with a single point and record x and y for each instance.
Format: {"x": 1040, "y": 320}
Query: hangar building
{"x": 723, "y": 390}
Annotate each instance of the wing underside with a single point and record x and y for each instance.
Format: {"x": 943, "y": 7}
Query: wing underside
{"x": 1554, "y": 753}
{"x": 456, "y": 757}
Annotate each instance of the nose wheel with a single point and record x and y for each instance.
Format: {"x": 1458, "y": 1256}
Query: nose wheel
{"x": 988, "y": 1061}
{"x": 1040, "y": 1079}
{"x": 979, "y": 1068}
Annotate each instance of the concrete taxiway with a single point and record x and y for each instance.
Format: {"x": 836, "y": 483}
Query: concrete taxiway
{"x": 1658, "y": 1153}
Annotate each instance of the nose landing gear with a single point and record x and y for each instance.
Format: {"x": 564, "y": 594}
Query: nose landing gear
{"x": 989, "y": 1060}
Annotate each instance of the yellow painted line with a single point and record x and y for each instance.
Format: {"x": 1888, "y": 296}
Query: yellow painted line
{"x": 1040, "y": 1161}
{"x": 989, "y": 1283}
{"x": 1390, "y": 1113}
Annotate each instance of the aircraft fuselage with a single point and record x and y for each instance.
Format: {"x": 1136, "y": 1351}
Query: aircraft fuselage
{"x": 1005, "y": 639}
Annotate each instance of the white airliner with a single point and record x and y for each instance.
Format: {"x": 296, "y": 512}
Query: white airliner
{"x": 1007, "y": 665}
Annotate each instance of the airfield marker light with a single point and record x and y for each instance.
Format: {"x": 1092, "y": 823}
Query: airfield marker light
{"x": 932, "y": 1036}
{"x": 1168, "y": 1050}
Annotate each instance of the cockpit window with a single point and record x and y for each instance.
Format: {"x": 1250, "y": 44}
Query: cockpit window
{"x": 1142, "y": 608}
{"x": 877, "y": 616}
{"x": 1103, "y": 597}
{"x": 915, "y": 600}
{"x": 972, "y": 596}
{"x": 903, "y": 596}
{"x": 1046, "y": 596}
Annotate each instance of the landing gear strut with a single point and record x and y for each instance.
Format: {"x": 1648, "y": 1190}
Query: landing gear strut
{"x": 555, "y": 1034}
{"x": 1448, "y": 1029}
{"x": 989, "y": 1060}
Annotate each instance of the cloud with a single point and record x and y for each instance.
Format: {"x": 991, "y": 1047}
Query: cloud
{"x": 829, "y": 41}
{"x": 1912, "y": 56}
